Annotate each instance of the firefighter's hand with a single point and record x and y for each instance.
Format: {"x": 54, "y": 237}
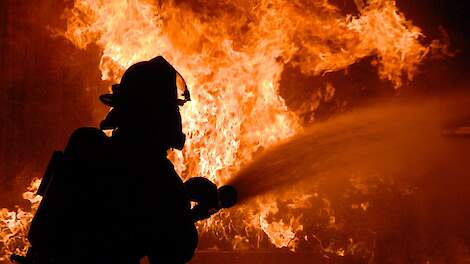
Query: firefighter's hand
{"x": 198, "y": 213}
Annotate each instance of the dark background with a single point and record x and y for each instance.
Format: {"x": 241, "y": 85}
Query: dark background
{"x": 48, "y": 87}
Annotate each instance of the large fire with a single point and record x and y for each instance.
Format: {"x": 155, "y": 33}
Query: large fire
{"x": 232, "y": 54}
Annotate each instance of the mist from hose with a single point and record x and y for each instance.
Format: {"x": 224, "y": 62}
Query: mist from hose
{"x": 400, "y": 141}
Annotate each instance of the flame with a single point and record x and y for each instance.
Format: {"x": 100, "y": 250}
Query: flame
{"x": 14, "y": 225}
{"x": 233, "y": 60}
{"x": 232, "y": 54}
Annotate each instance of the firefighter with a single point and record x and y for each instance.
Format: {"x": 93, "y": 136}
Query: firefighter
{"x": 117, "y": 199}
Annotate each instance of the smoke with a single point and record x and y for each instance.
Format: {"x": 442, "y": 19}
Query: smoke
{"x": 401, "y": 141}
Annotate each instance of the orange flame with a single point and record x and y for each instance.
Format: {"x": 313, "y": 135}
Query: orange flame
{"x": 232, "y": 61}
{"x": 14, "y": 225}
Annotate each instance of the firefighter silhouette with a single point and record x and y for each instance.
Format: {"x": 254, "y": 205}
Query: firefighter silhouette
{"x": 116, "y": 199}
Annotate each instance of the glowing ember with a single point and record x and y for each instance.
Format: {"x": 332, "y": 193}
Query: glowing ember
{"x": 232, "y": 54}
